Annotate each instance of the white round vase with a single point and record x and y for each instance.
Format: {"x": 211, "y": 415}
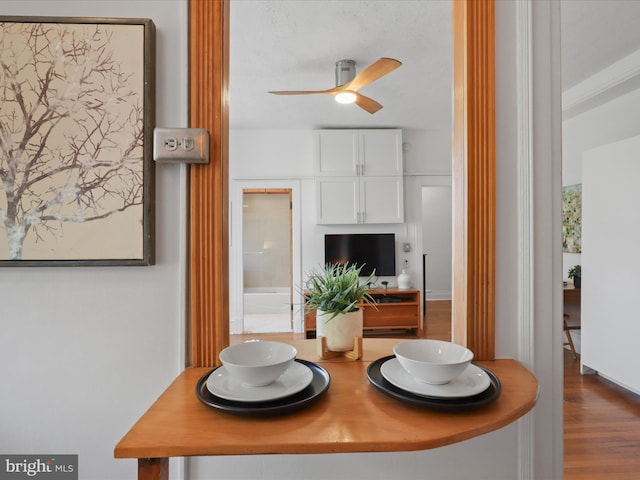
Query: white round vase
{"x": 404, "y": 281}
{"x": 339, "y": 330}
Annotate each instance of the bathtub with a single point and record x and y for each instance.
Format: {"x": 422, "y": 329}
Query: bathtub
{"x": 267, "y": 300}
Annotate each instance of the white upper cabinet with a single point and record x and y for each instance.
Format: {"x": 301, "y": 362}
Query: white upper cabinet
{"x": 338, "y": 200}
{"x": 380, "y": 152}
{"x": 336, "y": 152}
{"x": 359, "y": 176}
{"x": 381, "y": 200}
{"x": 358, "y": 152}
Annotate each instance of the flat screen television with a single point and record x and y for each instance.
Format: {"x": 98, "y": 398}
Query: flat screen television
{"x": 372, "y": 251}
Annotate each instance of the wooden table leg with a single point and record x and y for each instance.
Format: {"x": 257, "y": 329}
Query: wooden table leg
{"x": 153, "y": 469}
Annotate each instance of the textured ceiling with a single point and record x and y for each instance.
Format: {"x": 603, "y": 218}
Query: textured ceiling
{"x": 294, "y": 44}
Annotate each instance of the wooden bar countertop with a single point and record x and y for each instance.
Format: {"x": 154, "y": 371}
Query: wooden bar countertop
{"x": 352, "y": 416}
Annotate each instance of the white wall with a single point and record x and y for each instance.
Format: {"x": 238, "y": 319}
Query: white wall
{"x": 611, "y": 260}
{"x": 607, "y": 122}
{"x": 85, "y": 351}
{"x": 437, "y": 241}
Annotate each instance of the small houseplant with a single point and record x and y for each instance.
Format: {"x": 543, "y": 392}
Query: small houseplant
{"x": 334, "y": 292}
{"x": 575, "y": 274}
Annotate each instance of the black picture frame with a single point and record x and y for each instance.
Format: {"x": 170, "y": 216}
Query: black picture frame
{"x": 77, "y": 113}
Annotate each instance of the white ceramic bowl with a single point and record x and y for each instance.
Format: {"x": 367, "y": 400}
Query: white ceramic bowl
{"x": 433, "y": 361}
{"x": 257, "y": 362}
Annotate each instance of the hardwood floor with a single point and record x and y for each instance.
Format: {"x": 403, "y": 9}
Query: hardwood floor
{"x": 438, "y": 320}
{"x": 601, "y": 427}
{"x": 601, "y": 419}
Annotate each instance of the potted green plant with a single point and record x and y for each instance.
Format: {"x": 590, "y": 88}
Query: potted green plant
{"x": 575, "y": 274}
{"x": 335, "y": 292}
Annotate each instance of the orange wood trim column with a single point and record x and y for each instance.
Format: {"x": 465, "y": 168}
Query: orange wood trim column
{"x": 474, "y": 176}
{"x": 209, "y": 232}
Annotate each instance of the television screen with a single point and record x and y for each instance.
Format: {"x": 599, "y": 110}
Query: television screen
{"x": 373, "y": 251}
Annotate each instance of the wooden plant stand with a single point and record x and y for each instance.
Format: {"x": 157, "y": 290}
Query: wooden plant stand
{"x": 324, "y": 352}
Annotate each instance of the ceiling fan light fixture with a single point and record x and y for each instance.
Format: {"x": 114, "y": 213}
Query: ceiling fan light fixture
{"x": 348, "y": 84}
{"x": 345, "y": 97}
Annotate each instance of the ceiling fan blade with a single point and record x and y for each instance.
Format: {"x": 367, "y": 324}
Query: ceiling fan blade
{"x": 331, "y": 91}
{"x": 373, "y": 72}
{"x": 368, "y": 104}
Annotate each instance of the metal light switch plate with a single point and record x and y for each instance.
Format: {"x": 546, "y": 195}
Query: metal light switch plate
{"x": 181, "y": 145}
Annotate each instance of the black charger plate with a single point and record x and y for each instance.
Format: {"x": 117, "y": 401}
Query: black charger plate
{"x": 319, "y": 384}
{"x": 458, "y": 404}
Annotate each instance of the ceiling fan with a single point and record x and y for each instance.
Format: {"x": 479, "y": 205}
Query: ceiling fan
{"x": 348, "y": 83}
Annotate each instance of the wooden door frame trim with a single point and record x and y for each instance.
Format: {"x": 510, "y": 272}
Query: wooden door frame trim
{"x": 473, "y": 176}
{"x": 209, "y": 184}
{"x": 473, "y": 180}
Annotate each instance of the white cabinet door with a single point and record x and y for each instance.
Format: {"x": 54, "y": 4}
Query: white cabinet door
{"x": 337, "y": 200}
{"x": 380, "y": 152}
{"x": 381, "y": 200}
{"x": 336, "y": 152}
{"x": 350, "y": 200}
{"x": 359, "y": 176}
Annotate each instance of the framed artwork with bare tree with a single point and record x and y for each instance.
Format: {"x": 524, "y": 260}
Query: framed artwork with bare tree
{"x": 77, "y": 112}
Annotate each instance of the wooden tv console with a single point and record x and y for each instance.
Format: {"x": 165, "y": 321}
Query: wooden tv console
{"x": 396, "y": 310}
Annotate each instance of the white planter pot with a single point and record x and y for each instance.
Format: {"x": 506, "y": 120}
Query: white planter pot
{"x": 340, "y": 330}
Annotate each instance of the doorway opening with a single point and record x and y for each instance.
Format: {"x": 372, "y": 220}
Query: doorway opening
{"x": 267, "y": 266}
{"x": 436, "y": 221}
